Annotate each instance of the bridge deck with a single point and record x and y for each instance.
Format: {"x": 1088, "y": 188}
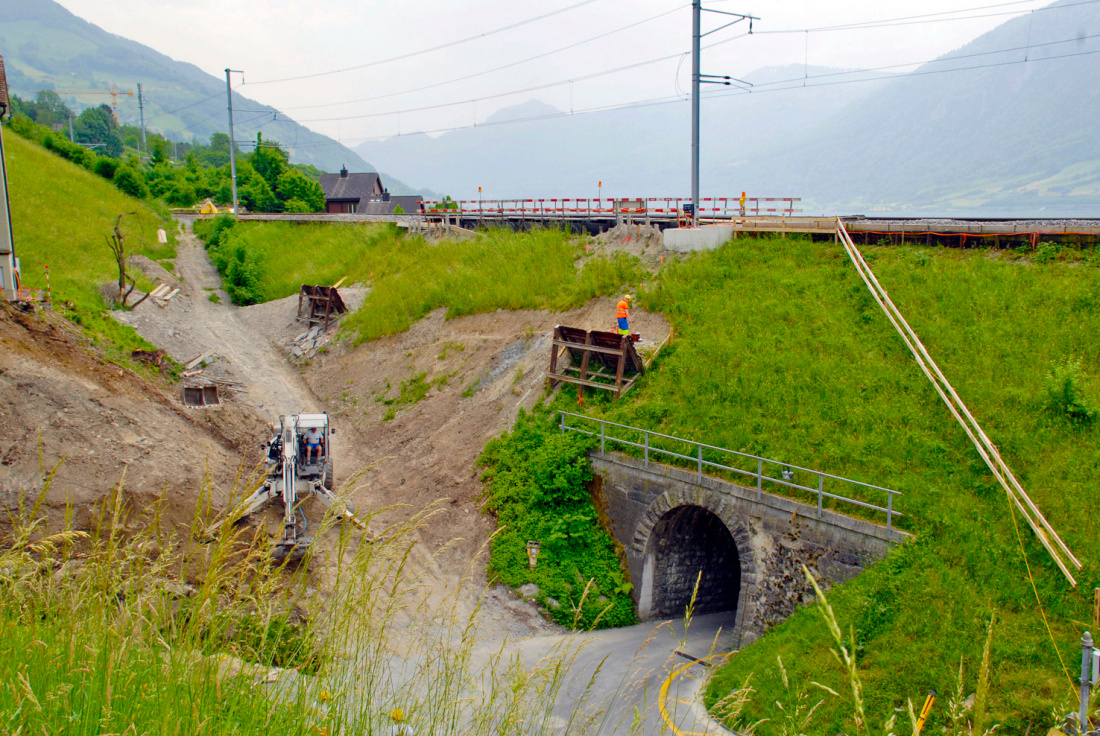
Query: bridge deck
{"x": 782, "y": 224}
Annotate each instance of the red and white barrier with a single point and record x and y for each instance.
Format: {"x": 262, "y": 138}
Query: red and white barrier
{"x": 654, "y": 207}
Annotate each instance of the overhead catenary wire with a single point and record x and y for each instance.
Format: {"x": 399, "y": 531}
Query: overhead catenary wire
{"x": 421, "y": 52}
{"x": 760, "y": 88}
{"x": 1048, "y": 537}
{"x": 927, "y": 18}
{"x": 805, "y": 79}
{"x": 509, "y": 93}
{"x": 436, "y": 85}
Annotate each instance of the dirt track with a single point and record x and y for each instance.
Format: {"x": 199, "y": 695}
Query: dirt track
{"x": 482, "y": 370}
{"x": 191, "y": 325}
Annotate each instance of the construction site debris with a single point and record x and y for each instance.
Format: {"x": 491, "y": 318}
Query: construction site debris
{"x": 152, "y": 270}
{"x": 197, "y": 359}
{"x": 319, "y": 305}
{"x": 199, "y": 396}
{"x": 152, "y": 357}
{"x": 617, "y": 363}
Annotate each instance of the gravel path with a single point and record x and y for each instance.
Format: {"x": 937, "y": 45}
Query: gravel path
{"x": 191, "y": 325}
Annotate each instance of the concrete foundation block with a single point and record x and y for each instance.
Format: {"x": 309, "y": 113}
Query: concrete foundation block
{"x": 687, "y": 240}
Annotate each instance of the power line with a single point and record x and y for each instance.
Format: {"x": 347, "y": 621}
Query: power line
{"x": 192, "y": 104}
{"x": 927, "y": 18}
{"x": 942, "y": 59}
{"x": 534, "y": 88}
{"x": 429, "y": 50}
{"x": 498, "y": 68}
{"x": 657, "y": 101}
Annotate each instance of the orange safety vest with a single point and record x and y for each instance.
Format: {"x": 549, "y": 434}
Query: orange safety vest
{"x": 621, "y": 311}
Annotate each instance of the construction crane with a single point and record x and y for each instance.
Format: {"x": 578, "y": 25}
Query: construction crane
{"x": 114, "y": 92}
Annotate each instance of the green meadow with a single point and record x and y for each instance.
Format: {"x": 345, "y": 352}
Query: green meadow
{"x": 61, "y": 218}
{"x": 780, "y": 351}
{"x": 408, "y": 275}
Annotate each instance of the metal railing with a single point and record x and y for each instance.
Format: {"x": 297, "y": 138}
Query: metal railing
{"x": 658, "y": 208}
{"x": 787, "y": 471}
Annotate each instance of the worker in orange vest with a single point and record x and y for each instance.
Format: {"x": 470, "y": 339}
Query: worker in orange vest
{"x": 623, "y": 315}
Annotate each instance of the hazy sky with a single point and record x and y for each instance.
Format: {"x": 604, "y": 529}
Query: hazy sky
{"x": 274, "y": 39}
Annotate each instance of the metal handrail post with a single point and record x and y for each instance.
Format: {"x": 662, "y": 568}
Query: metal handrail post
{"x": 889, "y": 510}
{"x": 603, "y": 426}
{"x": 820, "y": 489}
{"x": 647, "y": 450}
{"x": 759, "y": 478}
{"x": 700, "y": 448}
{"x": 563, "y": 422}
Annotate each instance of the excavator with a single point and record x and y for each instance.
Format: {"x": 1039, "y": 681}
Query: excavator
{"x": 294, "y": 471}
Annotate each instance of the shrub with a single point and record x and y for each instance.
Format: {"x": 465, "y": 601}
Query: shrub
{"x": 215, "y": 232}
{"x": 292, "y": 186}
{"x": 537, "y": 487}
{"x": 296, "y": 205}
{"x": 129, "y": 182}
{"x": 1065, "y": 385}
{"x": 106, "y": 167}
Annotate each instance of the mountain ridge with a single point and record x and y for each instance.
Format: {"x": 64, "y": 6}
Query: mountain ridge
{"x": 47, "y": 47}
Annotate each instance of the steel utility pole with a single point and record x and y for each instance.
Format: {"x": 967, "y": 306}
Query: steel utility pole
{"x": 141, "y": 107}
{"x": 697, "y": 79}
{"x": 696, "y": 38}
{"x": 232, "y": 143}
{"x": 8, "y": 287}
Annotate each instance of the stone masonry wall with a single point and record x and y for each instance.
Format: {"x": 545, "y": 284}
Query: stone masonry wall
{"x": 773, "y": 537}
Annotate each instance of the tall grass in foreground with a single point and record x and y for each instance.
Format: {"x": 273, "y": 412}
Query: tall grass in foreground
{"x": 135, "y": 628}
{"x": 410, "y": 276}
{"x": 968, "y": 716}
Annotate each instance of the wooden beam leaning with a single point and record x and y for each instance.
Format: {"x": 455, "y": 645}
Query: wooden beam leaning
{"x": 1050, "y": 540}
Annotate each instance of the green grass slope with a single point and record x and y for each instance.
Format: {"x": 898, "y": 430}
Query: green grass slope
{"x": 780, "y": 351}
{"x": 61, "y": 217}
{"x": 410, "y": 276}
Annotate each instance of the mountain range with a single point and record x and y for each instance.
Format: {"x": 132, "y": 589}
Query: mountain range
{"x": 46, "y": 47}
{"x": 1002, "y": 126}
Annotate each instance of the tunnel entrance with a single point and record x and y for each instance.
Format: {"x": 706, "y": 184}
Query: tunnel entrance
{"x": 687, "y": 540}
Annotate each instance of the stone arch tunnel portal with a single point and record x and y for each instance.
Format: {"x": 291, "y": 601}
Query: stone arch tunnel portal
{"x": 690, "y": 543}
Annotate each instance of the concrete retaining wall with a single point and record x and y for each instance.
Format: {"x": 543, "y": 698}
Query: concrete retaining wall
{"x": 708, "y": 237}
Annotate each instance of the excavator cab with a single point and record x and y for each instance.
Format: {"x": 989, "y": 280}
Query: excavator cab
{"x": 310, "y": 427}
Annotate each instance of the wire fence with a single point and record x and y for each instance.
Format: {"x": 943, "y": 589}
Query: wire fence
{"x": 802, "y": 484}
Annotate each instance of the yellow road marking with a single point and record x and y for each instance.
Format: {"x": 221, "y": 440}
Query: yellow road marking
{"x": 662, "y": 697}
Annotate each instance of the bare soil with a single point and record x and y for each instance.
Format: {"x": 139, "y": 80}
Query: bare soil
{"x": 61, "y": 396}
{"x": 482, "y": 369}
{"x": 192, "y": 325}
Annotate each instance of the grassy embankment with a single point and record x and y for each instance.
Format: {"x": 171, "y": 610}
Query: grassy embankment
{"x": 410, "y": 276}
{"x": 780, "y": 351}
{"x": 61, "y": 217}
{"x": 538, "y": 487}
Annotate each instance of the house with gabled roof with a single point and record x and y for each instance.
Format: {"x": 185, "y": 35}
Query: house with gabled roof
{"x": 344, "y": 192}
{"x": 363, "y": 193}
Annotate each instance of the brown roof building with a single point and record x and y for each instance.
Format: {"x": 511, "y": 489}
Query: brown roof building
{"x": 362, "y": 193}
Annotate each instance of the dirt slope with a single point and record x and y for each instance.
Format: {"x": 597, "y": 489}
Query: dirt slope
{"x": 191, "y": 325}
{"x": 102, "y": 419}
{"x": 492, "y": 364}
